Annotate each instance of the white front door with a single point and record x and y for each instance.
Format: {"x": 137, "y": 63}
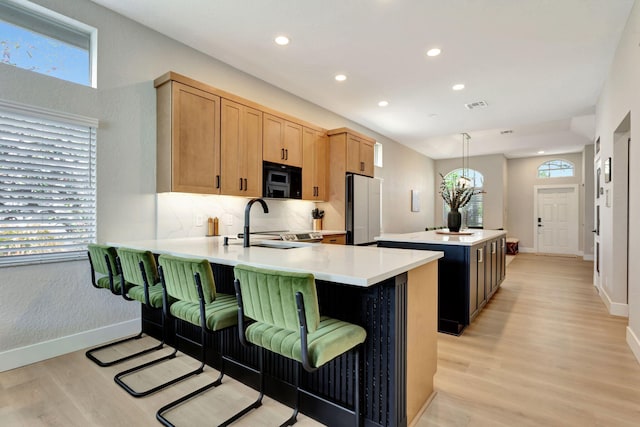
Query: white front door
{"x": 557, "y": 220}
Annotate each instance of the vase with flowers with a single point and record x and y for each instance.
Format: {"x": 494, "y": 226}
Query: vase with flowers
{"x": 456, "y": 193}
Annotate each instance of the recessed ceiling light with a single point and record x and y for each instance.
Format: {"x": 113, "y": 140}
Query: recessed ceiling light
{"x": 541, "y": 152}
{"x": 383, "y": 103}
{"x": 457, "y": 86}
{"x": 282, "y": 40}
{"x": 434, "y": 52}
{"x": 340, "y": 77}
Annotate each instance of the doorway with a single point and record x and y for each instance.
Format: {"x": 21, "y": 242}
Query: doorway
{"x": 619, "y": 288}
{"x": 556, "y": 219}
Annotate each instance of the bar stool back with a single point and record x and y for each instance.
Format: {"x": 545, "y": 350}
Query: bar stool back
{"x": 287, "y": 321}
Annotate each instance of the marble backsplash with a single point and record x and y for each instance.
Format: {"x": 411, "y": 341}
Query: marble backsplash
{"x": 178, "y": 215}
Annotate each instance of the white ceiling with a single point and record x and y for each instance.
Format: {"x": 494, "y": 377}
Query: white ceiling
{"x": 539, "y": 64}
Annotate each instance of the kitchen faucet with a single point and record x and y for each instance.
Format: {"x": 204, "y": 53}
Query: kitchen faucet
{"x": 247, "y": 211}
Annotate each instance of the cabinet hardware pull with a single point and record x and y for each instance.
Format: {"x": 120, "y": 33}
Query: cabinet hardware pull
{"x": 362, "y": 166}
{"x": 217, "y": 181}
{"x": 282, "y": 153}
{"x": 240, "y": 184}
{"x": 481, "y": 255}
{"x": 245, "y": 184}
{"x": 286, "y": 154}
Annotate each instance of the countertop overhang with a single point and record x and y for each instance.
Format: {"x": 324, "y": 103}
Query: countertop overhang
{"x": 351, "y": 265}
{"x": 432, "y": 237}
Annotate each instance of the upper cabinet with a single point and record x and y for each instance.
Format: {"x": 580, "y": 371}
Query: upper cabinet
{"x": 241, "y": 146}
{"x": 214, "y": 142}
{"x": 282, "y": 141}
{"x": 188, "y": 151}
{"x": 359, "y": 151}
{"x": 315, "y": 156}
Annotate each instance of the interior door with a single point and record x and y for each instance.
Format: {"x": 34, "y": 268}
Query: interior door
{"x": 557, "y": 220}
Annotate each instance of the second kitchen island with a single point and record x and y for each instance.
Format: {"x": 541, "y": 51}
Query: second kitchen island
{"x": 471, "y": 271}
{"x": 392, "y": 293}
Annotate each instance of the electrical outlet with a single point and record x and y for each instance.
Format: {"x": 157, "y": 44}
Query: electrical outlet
{"x": 199, "y": 220}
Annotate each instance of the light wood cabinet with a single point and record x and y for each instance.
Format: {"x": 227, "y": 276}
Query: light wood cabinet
{"x": 282, "y": 141}
{"x": 315, "y": 155}
{"x": 241, "y": 146}
{"x": 359, "y": 155}
{"x": 188, "y": 129}
{"x": 335, "y": 239}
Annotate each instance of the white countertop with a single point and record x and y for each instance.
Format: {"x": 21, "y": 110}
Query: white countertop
{"x": 432, "y": 237}
{"x": 352, "y": 265}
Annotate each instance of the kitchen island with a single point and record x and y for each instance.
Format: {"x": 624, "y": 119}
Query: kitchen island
{"x": 471, "y": 271}
{"x": 392, "y": 293}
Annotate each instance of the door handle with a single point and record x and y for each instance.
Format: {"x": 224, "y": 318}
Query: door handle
{"x": 540, "y": 225}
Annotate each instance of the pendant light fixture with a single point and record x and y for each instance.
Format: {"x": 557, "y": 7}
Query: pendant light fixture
{"x": 464, "y": 179}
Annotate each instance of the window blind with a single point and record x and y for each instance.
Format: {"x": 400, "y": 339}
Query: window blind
{"x": 47, "y": 188}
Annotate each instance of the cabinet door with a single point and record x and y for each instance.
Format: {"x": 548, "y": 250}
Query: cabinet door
{"x": 366, "y": 158}
{"x": 314, "y": 165}
{"x": 473, "y": 283}
{"x": 241, "y": 150}
{"x": 353, "y": 154}
{"x": 251, "y": 152}
{"x": 292, "y": 144}
{"x": 195, "y": 140}
{"x": 273, "y": 137}
{"x": 481, "y": 268}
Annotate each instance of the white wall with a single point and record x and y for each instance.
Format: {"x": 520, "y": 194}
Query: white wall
{"x": 619, "y": 97}
{"x": 55, "y": 301}
{"x": 494, "y": 169}
{"x": 522, "y": 177}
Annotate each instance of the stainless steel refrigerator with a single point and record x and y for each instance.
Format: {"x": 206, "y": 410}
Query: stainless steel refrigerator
{"x": 363, "y": 209}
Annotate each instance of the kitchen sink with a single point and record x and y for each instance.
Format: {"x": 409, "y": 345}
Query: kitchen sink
{"x": 279, "y": 244}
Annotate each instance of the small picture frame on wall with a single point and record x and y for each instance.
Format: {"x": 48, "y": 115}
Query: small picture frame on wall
{"x": 607, "y": 170}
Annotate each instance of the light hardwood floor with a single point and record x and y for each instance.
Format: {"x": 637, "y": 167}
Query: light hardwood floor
{"x": 544, "y": 352}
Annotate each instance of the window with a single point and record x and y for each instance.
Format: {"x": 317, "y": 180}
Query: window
{"x": 377, "y": 154}
{"x": 472, "y": 213}
{"x": 48, "y": 185}
{"x": 42, "y": 41}
{"x": 555, "y": 169}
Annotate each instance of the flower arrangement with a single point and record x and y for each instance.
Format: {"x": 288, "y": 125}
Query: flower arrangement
{"x": 456, "y": 193}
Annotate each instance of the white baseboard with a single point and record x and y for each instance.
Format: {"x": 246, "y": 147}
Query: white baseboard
{"x": 527, "y": 250}
{"x": 614, "y": 308}
{"x": 588, "y": 257}
{"x": 22, "y": 356}
{"x": 634, "y": 343}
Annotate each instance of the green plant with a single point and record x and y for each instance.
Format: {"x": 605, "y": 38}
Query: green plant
{"x": 456, "y": 193}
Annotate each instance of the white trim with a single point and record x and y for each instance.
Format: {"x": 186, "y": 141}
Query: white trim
{"x": 526, "y": 250}
{"x": 634, "y": 343}
{"x": 614, "y": 308}
{"x": 49, "y": 114}
{"x": 22, "y": 356}
{"x": 576, "y": 194}
{"x": 588, "y": 257}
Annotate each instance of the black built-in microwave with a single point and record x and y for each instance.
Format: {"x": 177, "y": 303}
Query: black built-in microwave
{"x": 281, "y": 181}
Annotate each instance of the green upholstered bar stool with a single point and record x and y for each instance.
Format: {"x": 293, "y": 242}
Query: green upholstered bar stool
{"x": 286, "y": 320}
{"x": 139, "y": 269}
{"x": 190, "y": 282}
{"x": 105, "y": 274}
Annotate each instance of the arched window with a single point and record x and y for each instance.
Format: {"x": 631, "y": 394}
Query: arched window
{"x": 556, "y": 168}
{"x": 472, "y": 213}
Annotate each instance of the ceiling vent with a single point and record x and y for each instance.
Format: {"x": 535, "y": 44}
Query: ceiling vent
{"x": 477, "y": 104}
